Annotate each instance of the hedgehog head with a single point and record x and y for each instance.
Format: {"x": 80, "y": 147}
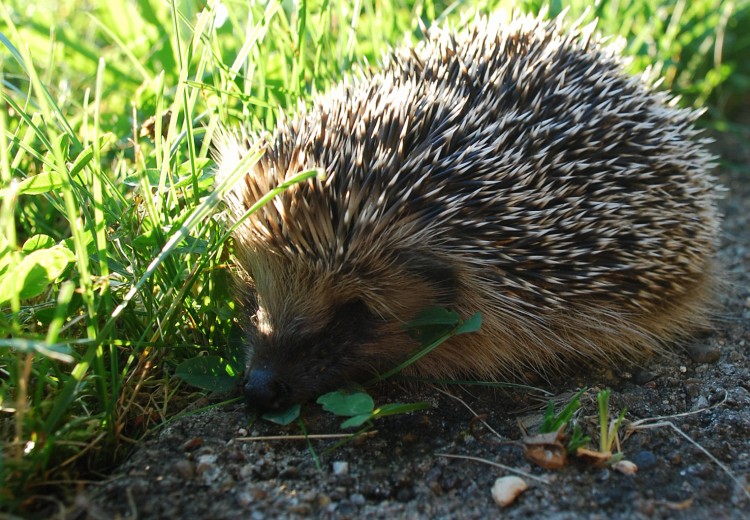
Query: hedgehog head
{"x": 314, "y": 330}
{"x": 329, "y": 277}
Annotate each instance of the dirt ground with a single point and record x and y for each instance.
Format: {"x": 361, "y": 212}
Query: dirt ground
{"x": 200, "y": 466}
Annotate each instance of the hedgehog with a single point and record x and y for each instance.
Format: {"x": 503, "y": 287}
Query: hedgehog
{"x": 514, "y": 169}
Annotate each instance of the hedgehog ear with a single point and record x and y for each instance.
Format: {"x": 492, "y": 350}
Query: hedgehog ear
{"x": 436, "y": 271}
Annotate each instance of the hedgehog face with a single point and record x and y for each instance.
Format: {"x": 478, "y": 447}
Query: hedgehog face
{"x": 296, "y": 359}
{"x": 314, "y": 332}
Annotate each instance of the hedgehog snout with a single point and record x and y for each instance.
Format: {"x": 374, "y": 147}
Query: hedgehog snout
{"x": 264, "y": 390}
{"x": 293, "y": 360}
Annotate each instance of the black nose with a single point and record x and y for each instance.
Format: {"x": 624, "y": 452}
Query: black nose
{"x": 264, "y": 391}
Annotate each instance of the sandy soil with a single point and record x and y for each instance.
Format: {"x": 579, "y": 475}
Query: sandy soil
{"x": 199, "y": 467}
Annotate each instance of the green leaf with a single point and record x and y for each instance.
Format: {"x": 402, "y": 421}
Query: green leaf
{"x": 473, "y": 324}
{"x": 43, "y": 182}
{"x": 82, "y": 160}
{"x": 88, "y": 239}
{"x": 58, "y": 351}
{"x": 13, "y": 51}
{"x": 357, "y": 420}
{"x": 208, "y": 372}
{"x": 577, "y": 439}
{"x": 552, "y": 422}
{"x": 5, "y": 253}
{"x": 432, "y": 323}
{"x": 193, "y": 245}
{"x": 435, "y": 322}
{"x": 384, "y": 411}
{"x": 549, "y": 422}
{"x": 149, "y": 238}
{"x": 399, "y": 408}
{"x": 431, "y": 335}
{"x": 35, "y": 273}
{"x": 236, "y": 350}
{"x": 152, "y": 176}
{"x": 347, "y": 404}
{"x": 185, "y": 169}
{"x": 284, "y": 417}
{"x": 434, "y": 316}
{"x": 38, "y": 242}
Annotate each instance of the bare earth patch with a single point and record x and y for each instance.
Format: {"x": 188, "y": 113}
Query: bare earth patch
{"x": 197, "y": 467}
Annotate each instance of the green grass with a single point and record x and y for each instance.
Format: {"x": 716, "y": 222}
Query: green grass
{"x": 113, "y": 267}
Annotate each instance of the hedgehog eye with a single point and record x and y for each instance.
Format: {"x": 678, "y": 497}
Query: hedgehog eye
{"x": 352, "y": 324}
{"x": 353, "y": 312}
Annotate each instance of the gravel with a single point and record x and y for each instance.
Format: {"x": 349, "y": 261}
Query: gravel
{"x": 203, "y": 466}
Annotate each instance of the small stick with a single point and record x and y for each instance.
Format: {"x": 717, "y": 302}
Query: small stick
{"x": 496, "y": 464}
{"x": 320, "y": 436}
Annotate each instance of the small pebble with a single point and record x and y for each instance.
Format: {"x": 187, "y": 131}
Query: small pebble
{"x": 642, "y": 377}
{"x": 207, "y": 468}
{"x": 340, "y": 468}
{"x": 506, "y": 490}
{"x": 244, "y": 498}
{"x": 692, "y": 388}
{"x": 405, "y": 494}
{"x": 289, "y": 473}
{"x": 303, "y": 510}
{"x": 703, "y": 353}
{"x": 625, "y": 467}
{"x": 208, "y": 458}
{"x": 192, "y": 444}
{"x": 644, "y": 459}
{"x": 185, "y": 469}
{"x": 701, "y": 403}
